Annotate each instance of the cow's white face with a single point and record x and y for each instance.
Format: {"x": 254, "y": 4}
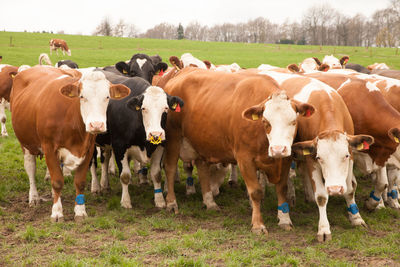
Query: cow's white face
{"x": 281, "y": 117}
{"x": 309, "y": 65}
{"x": 153, "y": 106}
{"x": 94, "y": 98}
{"x": 333, "y": 156}
{"x": 332, "y": 61}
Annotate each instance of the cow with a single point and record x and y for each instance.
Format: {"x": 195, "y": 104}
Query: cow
{"x": 60, "y": 64}
{"x": 136, "y": 131}
{"x": 233, "y": 118}
{"x": 56, "y": 44}
{"x": 311, "y": 64}
{"x": 361, "y": 97}
{"x": 140, "y": 65}
{"x": 378, "y": 66}
{"x": 357, "y": 67}
{"x": 395, "y": 74}
{"x": 324, "y": 145}
{"x": 57, "y": 113}
{"x": 6, "y": 81}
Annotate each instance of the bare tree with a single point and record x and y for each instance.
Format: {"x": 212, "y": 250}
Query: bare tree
{"x": 119, "y": 29}
{"x": 162, "y": 31}
{"x": 132, "y": 31}
{"x": 104, "y": 28}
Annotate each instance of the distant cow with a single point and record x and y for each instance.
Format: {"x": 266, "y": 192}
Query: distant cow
{"x": 57, "y": 113}
{"x": 56, "y": 44}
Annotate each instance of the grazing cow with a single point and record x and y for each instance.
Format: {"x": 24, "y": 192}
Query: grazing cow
{"x": 6, "y": 81}
{"x": 57, "y": 113}
{"x": 324, "y": 145}
{"x": 357, "y": 67}
{"x": 233, "y": 118}
{"x": 140, "y": 65}
{"x": 361, "y": 97}
{"x": 378, "y": 66}
{"x": 56, "y": 44}
{"x": 136, "y": 131}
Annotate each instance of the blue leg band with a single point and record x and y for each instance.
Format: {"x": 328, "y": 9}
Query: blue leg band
{"x": 80, "y": 199}
{"x": 284, "y": 207}
{"x": 353, "y": 209}
{"x": 393, "y": 194}
{"x": 159, "y": 190}
{"x": 143, "y": 171}
{"x": 374, "y": 197}
{"x": 293, "y": 165}
{"x": 189, "y": 181}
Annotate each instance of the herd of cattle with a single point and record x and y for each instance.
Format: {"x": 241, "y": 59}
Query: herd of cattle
{"x": 323, "y": 116}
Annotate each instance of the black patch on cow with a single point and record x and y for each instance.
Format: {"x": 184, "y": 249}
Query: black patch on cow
{"x": 67, "y": 62}
{"x": 357, "y": 67}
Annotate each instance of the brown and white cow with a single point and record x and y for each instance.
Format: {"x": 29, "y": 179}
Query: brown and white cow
{"x": 56, "y": 44}
{"x": 233, "y": 118}
{"x": 57, "y": 113}
{"x": 6, "y": 80}
{"x": 378, "y": 66}
{"x": 372, "y": 115}
{"x": 325, "y": 144}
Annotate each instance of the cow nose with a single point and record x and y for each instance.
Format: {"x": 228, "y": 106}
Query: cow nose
{"x": 96, "y": 126}
{"x": 155, "y": 137}
{"x": 335, "y": 190}
{"x": 278, "y": 151}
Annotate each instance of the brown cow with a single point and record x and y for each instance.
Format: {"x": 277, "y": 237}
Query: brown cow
{"x": 233, "y": 118}
{"x": 58, "y": 113}
{"x": 326, "y": 141}
{"x": 372, "y": 115}
{"x": 6, "y": 80}
{"x": 56, "y": 44}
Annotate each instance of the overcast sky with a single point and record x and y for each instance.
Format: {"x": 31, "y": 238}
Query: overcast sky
{"x": 83, "y": 16}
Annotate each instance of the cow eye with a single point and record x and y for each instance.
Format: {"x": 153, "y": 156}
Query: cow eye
{"x": 143, "y": 109}
{"x": 81, "y": 96}
{"x": 317, "y": 158}
{"x": 108, "y": 97}
{"x": 347, "y": 156}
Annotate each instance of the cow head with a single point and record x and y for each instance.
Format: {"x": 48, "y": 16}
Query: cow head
{"x": 141, "y": 65}
{"x": 153, "y": 105}
{"x": 332, "y": 152}
{"x": 94, "y": 91}
{"x": 335, "y": 63}
{"x": 279, "y": 116}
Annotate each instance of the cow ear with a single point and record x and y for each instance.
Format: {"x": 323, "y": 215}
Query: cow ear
{"x": 317, "y": 61}
{"x": 176, "y": 62}
{"x": 119, "y": 91}
{"x": 394, "y": 134}
{"x": 304, "y": 148}
{"x": 71, "y": 90}
{"x": 253, "y": 113}
{"x": 208, "y": 63}
{"x": 344, "y": 60}
{"x": 293, "y": 68}
{"x": 135, "y": 103}
{"x": 161, "y": 66}
{"x": 13, "y": 73}
{"x": 304, "y": 109}
{"x": 360, "y": 142}
{"x": 175, "y": 103}
{"x": 324, "y": 67}
{"x": 122, "y": 67}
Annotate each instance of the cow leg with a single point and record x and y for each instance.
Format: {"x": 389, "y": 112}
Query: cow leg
{"x": 381, "y": 184}
{"x": 47, "y": 175}
{"x": 104, "y": 159}
{"x": 203, "y": 170}
{"x": 30, "y": 168}
{"x": 142, "y": 173}
{"x": 171, "y": 157}
{"x": 95, "y": 185}
{"x": 188, "y": 168}
{"x": 3, "y": 118}
{"x": 249, "y": 173}
{"x": 80, "y": 181}
{"x": 308, "y": 189}
{"x": 125, "y": 178}
{"x": 291, "y": 193}
{"x": 155, "y": 174}
{"x": 392, "y": 194}
{"x": 233, "y": 178}
{"x": 111, "y": 165}
{"x": 217, "y": 177}
{"x": 281, "y": 191}
{"x": 352, "y": 209}
{"x": 57, "y": 183}
{"x": 321, "y": 198}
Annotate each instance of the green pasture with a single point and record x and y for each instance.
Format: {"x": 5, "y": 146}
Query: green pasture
{"x": 145, "y": 236}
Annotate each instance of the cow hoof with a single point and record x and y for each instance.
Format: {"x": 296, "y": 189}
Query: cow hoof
{"x": 4, "y": 135}
{"x": 371, "y": 204}
{"x": 57, "y": 219}
{"x": 260, "y": 230}
{"x": 286, "y": 226}
{"x": 126, "y": 205}
{"x": 324, "y": 237}
{"x": 79, "y": 219}
{"x": 34, "y": 202}
{"x": 213, "y": 206}
{"x": 173, "y": 206}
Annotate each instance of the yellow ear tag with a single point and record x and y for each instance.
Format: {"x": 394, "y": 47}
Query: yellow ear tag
{"x": 396, "y": 139}
{"x": 306, "y": 152}
{"x": 117, "y": 95}
{"x": 254, "y": 117}
{"x": 71, "y": 95}
{"x": 137, "y": 107}
{"x": 174, "y": 105}
{"x": 124, "y": 72}
{"x": 360, "y": 146}
{"x": 12, "y": 76}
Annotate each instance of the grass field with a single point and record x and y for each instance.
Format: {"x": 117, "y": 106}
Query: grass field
{"x": 145, "y": 236}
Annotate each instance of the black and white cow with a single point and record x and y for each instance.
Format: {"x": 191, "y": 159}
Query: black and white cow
{"x": 135, "y": 130}
{"x": 68, "y": 63}
{"x": 357, "y": 67}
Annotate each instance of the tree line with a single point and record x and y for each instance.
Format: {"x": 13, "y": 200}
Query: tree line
{"x": 320, "y": 25}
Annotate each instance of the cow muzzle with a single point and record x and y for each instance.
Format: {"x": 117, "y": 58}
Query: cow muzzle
{"x": 278, "y": 151}
{"x": 97, "y": 127}
{"x": 155, "y": 138}
{"x": 335, "y": 190}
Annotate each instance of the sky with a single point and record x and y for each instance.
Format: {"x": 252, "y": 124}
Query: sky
{"x": 83, "y": 16}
